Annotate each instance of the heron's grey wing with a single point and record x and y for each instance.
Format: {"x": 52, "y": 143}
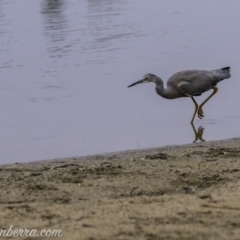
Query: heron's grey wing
{"x": 195, "y": 84}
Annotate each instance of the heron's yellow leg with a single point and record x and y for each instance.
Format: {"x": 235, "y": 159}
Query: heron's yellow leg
{"x": 196, "y": 108}
{"x": 200, "y": 111}
{"x": 195, "y": 132}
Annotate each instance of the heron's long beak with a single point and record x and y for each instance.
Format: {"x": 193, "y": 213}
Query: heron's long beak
{"x": 140, "y": 81}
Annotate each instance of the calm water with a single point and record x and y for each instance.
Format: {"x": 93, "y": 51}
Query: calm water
{"x": 65, "y": 66}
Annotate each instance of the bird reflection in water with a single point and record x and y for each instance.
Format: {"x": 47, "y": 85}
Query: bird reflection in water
{"x": 198, "y": 133}
{"x": 189, "y": 83}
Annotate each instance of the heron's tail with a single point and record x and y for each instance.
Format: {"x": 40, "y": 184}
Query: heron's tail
{"x": 223, "y": 73}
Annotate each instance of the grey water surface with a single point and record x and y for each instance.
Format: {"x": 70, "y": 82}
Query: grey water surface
{"x": 65, "y": 66}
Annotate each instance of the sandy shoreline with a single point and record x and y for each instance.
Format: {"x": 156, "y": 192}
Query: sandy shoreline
{"x": 175, "y": 192}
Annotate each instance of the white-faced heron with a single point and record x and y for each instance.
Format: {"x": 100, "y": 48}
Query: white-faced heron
{"x": 188, "y": 83}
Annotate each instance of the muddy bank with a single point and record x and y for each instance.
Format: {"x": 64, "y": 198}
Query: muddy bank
{"x": 178, "y": 192}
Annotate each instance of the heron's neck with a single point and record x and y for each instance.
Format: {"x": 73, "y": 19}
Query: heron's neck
{"x": 163, "y": 92}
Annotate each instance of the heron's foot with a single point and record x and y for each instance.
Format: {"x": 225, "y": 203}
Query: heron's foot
{"x": 200, "y": 112}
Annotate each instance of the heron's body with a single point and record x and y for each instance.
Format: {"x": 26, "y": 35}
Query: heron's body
{"x": 188, "y": 83}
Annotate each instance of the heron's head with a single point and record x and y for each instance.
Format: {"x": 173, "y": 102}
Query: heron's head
{"x": 145, "y": 79}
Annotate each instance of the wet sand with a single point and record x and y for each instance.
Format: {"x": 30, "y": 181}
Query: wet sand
{"x": 177, "y": 192}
